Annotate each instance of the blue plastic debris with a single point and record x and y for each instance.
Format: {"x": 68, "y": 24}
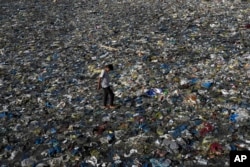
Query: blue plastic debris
{"x": 144, "y": 127}
{"x": 233, "y": 147}
{"x": 40, "y": 78}
{"x": 178, "y": 130}
{"x": 51, "y": 152}
{"x": 39, "y": 140}
{"x": 207, "y": 85}
{"x": 3, "y": 114}
{"x": 161, "y": 162}
{"x": 164, "y": 66}
{"x": 233, "y": 117}
{"x": 198, "y": 122}
{"x": 53, "y": 130}
{"x": 84, "y": 164}
{"x": 58, "y": 149}
{"x": 8, "y": 148}
{"x": 151, "y": 93}
{"x": 54, "y": 142}
{"x": 6, "y": 114}
{"x": 75, "y": 151}
{"x": 54, "y": 150}
{"x": 49, "y": 105}
{"x": 193, "y": 81}
{"x": 55, "y": 56}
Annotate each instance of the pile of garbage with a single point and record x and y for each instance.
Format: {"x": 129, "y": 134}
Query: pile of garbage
{"x": 181, "y": 82}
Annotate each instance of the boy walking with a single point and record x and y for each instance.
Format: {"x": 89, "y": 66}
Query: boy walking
{"x": 103, "y": 82}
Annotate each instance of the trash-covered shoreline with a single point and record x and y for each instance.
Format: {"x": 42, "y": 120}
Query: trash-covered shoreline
{"x": 181, "y": 81}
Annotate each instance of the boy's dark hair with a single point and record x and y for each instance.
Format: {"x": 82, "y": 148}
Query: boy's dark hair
{"x": 110, "y": 66}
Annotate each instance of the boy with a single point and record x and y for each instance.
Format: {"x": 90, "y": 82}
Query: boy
{"x": 103, "y": 82}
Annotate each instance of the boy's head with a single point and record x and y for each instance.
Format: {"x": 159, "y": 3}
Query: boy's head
{"x": 109, "y": 67}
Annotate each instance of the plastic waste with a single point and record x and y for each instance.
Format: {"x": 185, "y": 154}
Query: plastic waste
{"x": 181, "y": 82}
{"x": 28, "y": 162}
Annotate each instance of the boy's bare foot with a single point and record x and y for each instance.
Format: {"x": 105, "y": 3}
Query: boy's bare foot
{"x": 112, "y": 107}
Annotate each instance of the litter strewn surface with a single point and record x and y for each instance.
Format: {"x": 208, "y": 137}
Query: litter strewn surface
{"x": 181, "y": 81}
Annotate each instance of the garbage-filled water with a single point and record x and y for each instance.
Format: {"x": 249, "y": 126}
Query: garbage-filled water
{"x": 181, "y": 82}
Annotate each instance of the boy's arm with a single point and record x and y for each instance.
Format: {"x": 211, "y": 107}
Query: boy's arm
{"x": 100, "y": 79}
{"x": 99, "y": 83}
